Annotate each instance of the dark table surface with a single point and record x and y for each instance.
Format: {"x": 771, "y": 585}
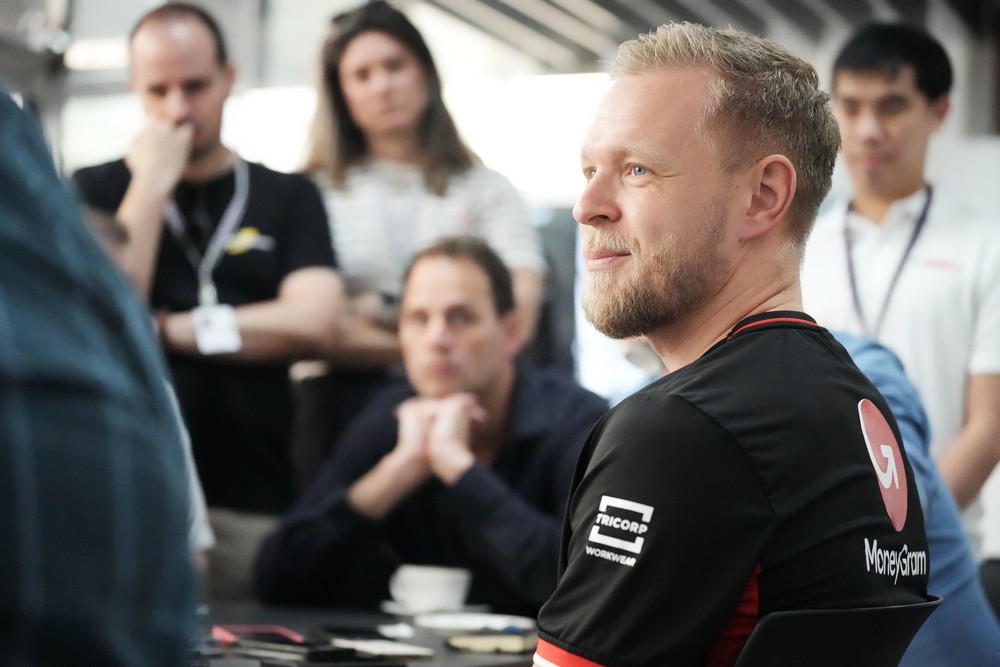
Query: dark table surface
{"x": 307, "y": 620}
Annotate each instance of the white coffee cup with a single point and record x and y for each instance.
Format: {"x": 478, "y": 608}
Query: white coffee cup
{"x": 419, "y": 589}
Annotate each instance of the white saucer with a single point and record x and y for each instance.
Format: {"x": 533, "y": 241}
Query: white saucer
{"x": 393, "y": 607}
{"x": 457, "y": 622}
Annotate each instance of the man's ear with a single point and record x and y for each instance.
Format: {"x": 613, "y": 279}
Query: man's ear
{"x": 773, "y": 188}
{"x": 230, "y": 74}
{"x": 513, "y": 330}
{"x": 940, "y": 108}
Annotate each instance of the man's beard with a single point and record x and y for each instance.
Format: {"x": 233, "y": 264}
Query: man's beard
{"x": 661, "y": 288}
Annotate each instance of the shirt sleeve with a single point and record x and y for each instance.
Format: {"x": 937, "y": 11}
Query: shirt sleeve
{"x": 499, "y": 526}
{"x": 101, "y": 187}
{"x": 307, "y": 241}
{"x": 985, "y": 354}
{"x": 323, "y": 551}
{"x": 665, "y": 531}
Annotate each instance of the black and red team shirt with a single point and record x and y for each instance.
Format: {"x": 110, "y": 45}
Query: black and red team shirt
{"x": 766, "y": 475}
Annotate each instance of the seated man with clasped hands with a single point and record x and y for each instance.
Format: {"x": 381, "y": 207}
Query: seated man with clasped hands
{"x": 467, "y": 464}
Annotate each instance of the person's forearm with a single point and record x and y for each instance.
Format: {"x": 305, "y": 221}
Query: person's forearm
{"x": 312, "y": 559}
{"x": 156, "y": 160}
{"x": 379, "y": 491}
{"x": 967, "y": 464}
{"x": 301, "y": 323}
{"x": 269, "y": 331}
{"x": 502, "y": 528}
{"x": 141, "y": 214}
{"x": 974, "y": 452}
{"x": 364, "y": 345}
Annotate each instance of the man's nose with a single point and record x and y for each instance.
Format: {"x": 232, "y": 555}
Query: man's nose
{"x": 869, "y": 125}
{"x": 439, "y": 333}
{"x": 177, "y": 107}
{"x": 596, "y": 203}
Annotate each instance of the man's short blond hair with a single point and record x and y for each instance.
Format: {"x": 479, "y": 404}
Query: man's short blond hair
{"x": 765, "y": 100}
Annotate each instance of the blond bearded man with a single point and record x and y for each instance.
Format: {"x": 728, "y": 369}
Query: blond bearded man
{"x": 741, "y": 482}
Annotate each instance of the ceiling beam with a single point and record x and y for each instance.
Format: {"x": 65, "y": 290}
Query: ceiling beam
{"x": 801, "y": 16}
{"x": 914, "y": 11}
{"x": 679, "y": 11}
{"x": 556, "y": 22}
{"x": 710, "y": 13}
{"x": 855, "y": 13}
{"x": 744, "y": 18}
{"x": 596, "y": 15}
{"x": 547, "y": 51}
{"x": 973, "y": 14}
{"x": 641, "y": 15}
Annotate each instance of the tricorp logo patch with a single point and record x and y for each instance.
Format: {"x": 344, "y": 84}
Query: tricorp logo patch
{"x": 620, "y": 517}
{"x": 883, "y": 450}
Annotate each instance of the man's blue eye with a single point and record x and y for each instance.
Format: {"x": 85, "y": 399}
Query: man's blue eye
{"x": 638, "y": 171}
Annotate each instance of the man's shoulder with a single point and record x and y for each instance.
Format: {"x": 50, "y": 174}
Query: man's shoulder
{"x": 388, "y": 397}
{"x": 949, "y": 206}
{"x": 290, "y": 205}
{"x": 659, "y": 406}
{"x": 957, "y": 224}
{"x": 102, "y": 174}
{"x": 481, "y": 184}
{"x": 116, "y": 165}
{"x": 548, "y": 385}
{"x": 726, "y": 383}
{"x": 293, "y": 181}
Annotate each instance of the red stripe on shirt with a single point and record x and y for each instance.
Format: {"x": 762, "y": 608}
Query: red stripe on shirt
{"x": 773, "y": 320}
{"x": 729, "y": 644}
{"x": 561, "y": 657}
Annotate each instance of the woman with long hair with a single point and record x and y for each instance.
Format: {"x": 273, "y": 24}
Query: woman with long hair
{"x": 396, "y": 176}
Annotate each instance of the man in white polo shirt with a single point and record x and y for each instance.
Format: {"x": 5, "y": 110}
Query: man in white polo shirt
{"x": 901, "y": 262}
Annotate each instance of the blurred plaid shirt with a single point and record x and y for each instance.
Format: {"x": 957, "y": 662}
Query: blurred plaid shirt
{"x": 94, "y": 556}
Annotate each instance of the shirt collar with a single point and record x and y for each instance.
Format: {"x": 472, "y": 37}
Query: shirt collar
{"x": 902, "y": 212}
{"x": 773, "y": 319}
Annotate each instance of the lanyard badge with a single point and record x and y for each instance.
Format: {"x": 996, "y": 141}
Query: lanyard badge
{"x": 215, "y": 327}
{"x": 216, "y": 330}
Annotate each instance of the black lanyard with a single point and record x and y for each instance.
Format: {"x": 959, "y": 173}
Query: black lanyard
{"x": 917, "y": 228}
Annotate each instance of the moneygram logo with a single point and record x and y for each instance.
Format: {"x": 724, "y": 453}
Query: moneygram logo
{"x": 883, "y": 450}
{"x": 895, "y": 562}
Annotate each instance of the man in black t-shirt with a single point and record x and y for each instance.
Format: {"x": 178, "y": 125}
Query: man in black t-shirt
{"x": 236, "y": 261}
{"x": 763, "y": 472}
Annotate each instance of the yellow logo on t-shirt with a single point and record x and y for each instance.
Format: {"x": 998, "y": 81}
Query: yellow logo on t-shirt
{"x": 249, "y": 238}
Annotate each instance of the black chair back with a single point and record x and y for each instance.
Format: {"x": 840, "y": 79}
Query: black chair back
{"x": 864, "y": 637}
